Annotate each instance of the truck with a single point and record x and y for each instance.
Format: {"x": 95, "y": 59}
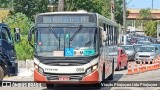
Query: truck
{"x": 8, "y": 62}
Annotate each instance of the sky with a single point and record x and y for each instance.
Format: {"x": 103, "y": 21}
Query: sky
{"x": 143, "y": 4}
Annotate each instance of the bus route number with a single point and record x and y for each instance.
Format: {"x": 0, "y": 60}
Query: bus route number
{"x": 80, "y": 69}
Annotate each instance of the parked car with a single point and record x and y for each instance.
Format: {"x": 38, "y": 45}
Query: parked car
{"x": 146, "y": 52}
{"x": 137, "y": 46}
{"x": 144, "y": 42}
{"x": 130, "y": 50}
{"x": 158, "y": 46}
{"x": 122, "y": 60}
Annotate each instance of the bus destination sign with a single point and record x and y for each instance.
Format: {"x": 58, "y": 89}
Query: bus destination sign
{"x": 65, "y": 19}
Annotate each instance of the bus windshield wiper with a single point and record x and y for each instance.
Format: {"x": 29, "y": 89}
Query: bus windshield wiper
{"x": 55, "y": 34}
{"x": 79, "y": 29}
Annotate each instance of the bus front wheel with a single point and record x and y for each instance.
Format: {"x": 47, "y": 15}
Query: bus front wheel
{"x": 49, "y": 86}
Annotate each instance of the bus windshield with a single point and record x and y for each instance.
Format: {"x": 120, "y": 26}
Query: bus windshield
{"x": 66, "y": 42}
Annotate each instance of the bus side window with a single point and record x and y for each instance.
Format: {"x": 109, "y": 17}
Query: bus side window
{"x": 107, "y": 35}
{"x": 114, "y": 35}
{"x": 102, "y": 36}
{"x": 111, "y": 31}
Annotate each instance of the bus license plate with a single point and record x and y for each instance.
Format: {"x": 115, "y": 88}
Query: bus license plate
{"x": 63, "y": 78}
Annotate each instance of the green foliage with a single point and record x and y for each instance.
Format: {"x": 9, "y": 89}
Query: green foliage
{"x": 5, "y": 3}
{"x": 150, "y": 28}
{"x": 21, "y": 21}
{"x": 23, "y": 49}
{"x": 30, "y": 7}
{"x": 119, "y": 11}
{"x": 102, "y": 7}
{"x": 145, "y": 14}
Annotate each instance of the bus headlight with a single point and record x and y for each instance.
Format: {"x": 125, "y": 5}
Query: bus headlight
{"x": 91, "y": 69}
{"x": 39, "y": 69}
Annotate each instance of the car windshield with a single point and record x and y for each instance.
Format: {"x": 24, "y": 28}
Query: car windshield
{"x": 127, "y": 47}
{"x": 66, "y": 42}
{"x": 137, "y": 47}
{"x": 144, "y": 42}
{"x": 146, "y": 49}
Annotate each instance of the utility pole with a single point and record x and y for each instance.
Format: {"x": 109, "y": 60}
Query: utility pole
{"x": 112, "y": 10}
{"x": 61, "y": 5}
{"x": 124, "y": 22}
{"x": 152, "y": 4}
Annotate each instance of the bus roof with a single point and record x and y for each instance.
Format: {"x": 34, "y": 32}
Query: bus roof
{"x": 80, "y": 12}
{"x": 65, "y": 12}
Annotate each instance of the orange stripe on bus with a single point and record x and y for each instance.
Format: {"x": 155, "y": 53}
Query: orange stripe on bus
{"x": 39, "y": 77}
{"x": 92, "y": 77}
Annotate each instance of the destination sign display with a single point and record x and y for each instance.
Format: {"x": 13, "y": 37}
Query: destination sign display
{"x": 66, "y": 19}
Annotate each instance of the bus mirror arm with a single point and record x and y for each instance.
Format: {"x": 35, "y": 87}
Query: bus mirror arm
{"x": 31, "y": 44}
{"x": 30, "y": 37}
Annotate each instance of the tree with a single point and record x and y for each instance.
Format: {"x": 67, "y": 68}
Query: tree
{"x": 23, "y": 49}
{"x": 30, "y": 7}
{"x": 145, "y": 14}
{"x": 61, "y": 5}
{"x": 150, "y": 28}
{"x": 5, "y": 4}
{"x": 20, "y": 20}
{"x": 102, "y": 7}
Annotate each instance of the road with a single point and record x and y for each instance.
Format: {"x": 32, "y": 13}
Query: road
{"x": 118, "y": 76}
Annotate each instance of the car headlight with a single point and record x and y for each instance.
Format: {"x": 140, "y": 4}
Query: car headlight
{"x": 39, "y": 69}
{"x": 91, "y": 69}
{"x": 152, "y": 55}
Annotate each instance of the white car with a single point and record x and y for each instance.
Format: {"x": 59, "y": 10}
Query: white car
{"x": 146, "y": 52}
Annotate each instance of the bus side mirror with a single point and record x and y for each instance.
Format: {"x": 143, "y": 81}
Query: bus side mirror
{"x": 30, "y": 36}
{"x": 17, "y": 37}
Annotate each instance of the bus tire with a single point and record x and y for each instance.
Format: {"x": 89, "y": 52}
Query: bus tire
{"x": 50, "y": 86}
{"x": 111, "y": 76}
{"x": 1, "y": 73}
{"x": 126, "y": 66}
{"x": 103, "y": 74}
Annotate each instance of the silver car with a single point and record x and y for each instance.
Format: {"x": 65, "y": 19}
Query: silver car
{"x": 130, "y": 50}
{"x": 146, "y": 52}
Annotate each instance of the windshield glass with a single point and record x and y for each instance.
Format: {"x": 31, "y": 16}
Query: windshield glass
{"x": 127, "y": 47}
{"x": 137, "y": 47}
{"x": 145, "y": 43}
{"x": 66, "y": 42}
{"x": 146, "y": 49}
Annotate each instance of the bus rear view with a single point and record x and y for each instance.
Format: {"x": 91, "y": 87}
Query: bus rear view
{"x": 68, "y": 49}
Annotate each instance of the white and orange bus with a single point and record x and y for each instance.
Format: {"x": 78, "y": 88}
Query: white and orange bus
{"x": 73, "y": 47}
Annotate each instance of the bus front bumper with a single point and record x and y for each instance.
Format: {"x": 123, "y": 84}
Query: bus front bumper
{"x": 92, "y": 78}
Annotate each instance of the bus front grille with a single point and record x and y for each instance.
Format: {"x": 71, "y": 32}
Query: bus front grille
{"x": 72, "y": 77}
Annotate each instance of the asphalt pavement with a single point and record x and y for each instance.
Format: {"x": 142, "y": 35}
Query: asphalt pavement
{"x": 120, "y": 76}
